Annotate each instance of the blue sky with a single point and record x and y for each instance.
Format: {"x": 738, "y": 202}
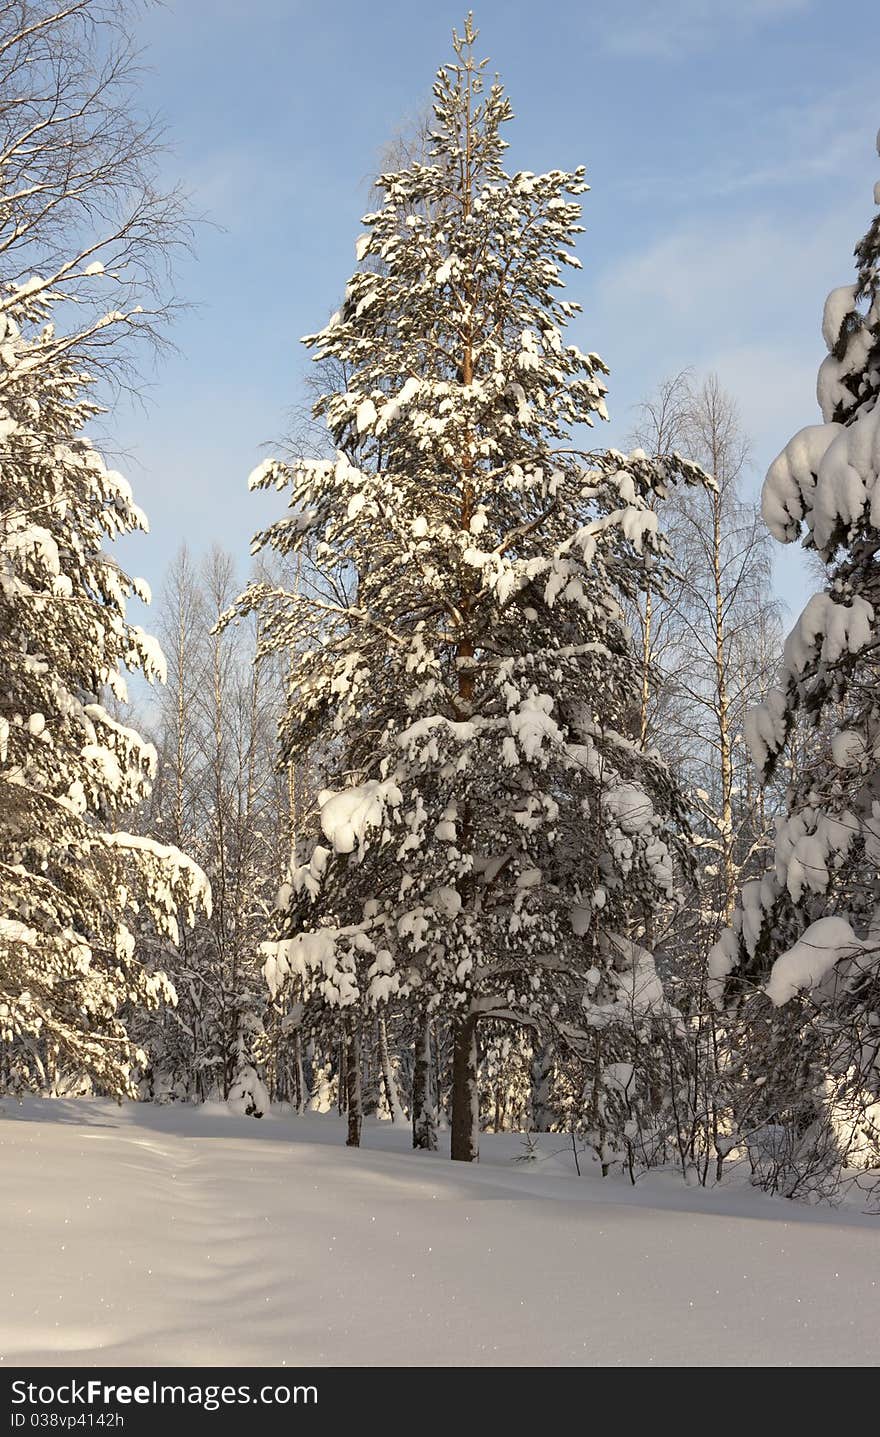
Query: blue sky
{"x": 730, "y": 146}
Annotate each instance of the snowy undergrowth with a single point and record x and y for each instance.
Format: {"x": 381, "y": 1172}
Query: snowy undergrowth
{"x": 180, "y": 1235}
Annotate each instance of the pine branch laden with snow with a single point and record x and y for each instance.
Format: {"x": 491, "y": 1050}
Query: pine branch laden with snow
{"x": 490, "y": 837}
{"x": 814, "y": 920}
{"x": 73, "y": 890}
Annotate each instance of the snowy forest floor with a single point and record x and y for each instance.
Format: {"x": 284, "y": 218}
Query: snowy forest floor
{"x": 176, "y": 1236}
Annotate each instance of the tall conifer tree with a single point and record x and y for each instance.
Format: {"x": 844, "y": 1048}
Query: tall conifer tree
{"x": 491, "y": 836}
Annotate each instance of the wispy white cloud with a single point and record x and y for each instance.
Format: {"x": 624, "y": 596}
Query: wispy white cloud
{"x": 721, "y": 275}
{"x": 677, "y": 28}
{"x": 826, "y": 136}
{"x": 742, "y": 299}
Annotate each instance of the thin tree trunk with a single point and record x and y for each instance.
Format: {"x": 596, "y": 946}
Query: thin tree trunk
{"x": 302, "y": 1096}
{"x": 541, "y": 1073}
{"x": 180, "y": 764}
{"x": 465, "y": 1093}
{"x": 596, "y": 1118}
{"x": 646, "y": 667}
{"x": 354, "y": 1085}
{"x": 342, "y": 1064}
{"x": 498, "y": 1124}
{"x": 725, "y": 745}
{"x": 424, "y": 1109}
{"x": 220, "y": 893}
{"x": 392, "y": 1097}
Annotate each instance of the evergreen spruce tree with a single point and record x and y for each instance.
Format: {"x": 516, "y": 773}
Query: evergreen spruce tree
{"x": 811, "y": 926}
{"x": 73, "y": 889}
{"x": 491, "y": 835}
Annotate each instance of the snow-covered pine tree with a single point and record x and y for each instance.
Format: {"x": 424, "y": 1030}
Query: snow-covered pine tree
{"x": 71, "y": 885}
{"x": 491, "y": 837}
{"x": 813, "y": 922}
{"x": 81, "y": 216}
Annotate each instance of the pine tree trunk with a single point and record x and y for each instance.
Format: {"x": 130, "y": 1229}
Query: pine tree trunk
{"x": 424, "y": 1110}
{"x": 342, "y": 1065}
{"x": 542, "y": 1115}
{"x": 392, "y": 1097}
{"x": 302, "y": 1096}
{"x": 353, "y": 1085}
{"x": 465, "y": 1093}
{"x": 371, "y": 1077}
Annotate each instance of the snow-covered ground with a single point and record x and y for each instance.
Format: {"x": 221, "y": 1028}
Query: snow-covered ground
{"x": 170, "y": 1235}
